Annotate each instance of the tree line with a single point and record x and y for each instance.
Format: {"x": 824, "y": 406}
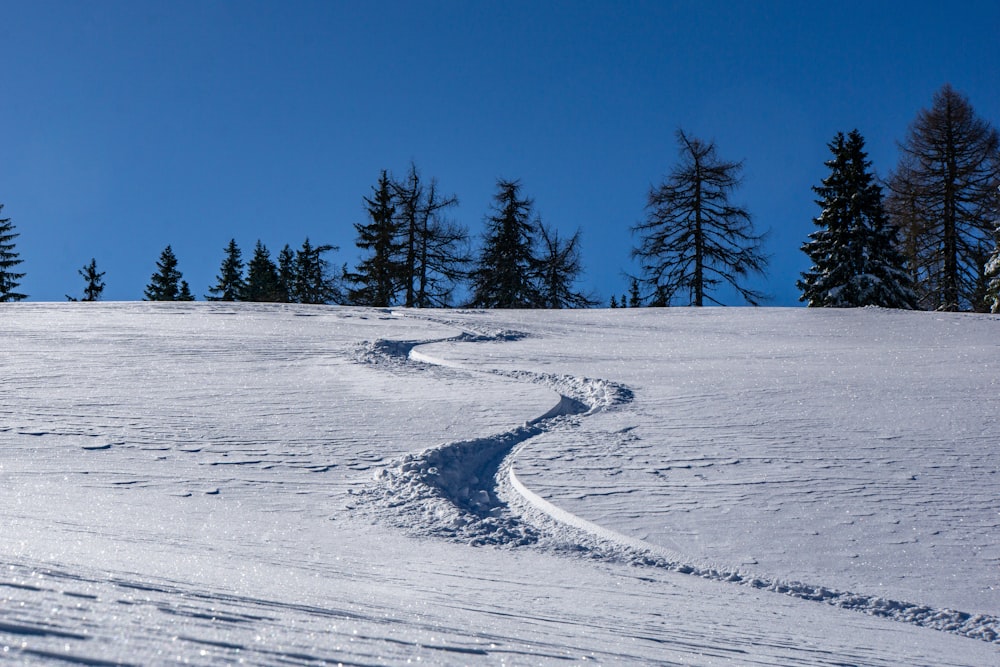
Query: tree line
{"x": 926, "y": 237}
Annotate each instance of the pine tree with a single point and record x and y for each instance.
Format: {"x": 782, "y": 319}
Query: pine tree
{"x": 943, "y": 197}
{"x": 854, "y": 255}
{"x": 9, "y": 279}
{"x": 694, "y": 239}
{"x": 505, "y": 274}
{"x": 262, "y": 283}
{"x": 230, "y": 284}
{"x": 286, "y": 275}
{"x": 377, "y": 278}
{"x": 558, "y": 268}
{"x": 992, "y": 273}
{"x": 313, "y": 281}
{"x": 635, "y": 297}
{"x": 614, "y": 302}
{"x": 166, "y": 283}
{"x": 95, "y": 286}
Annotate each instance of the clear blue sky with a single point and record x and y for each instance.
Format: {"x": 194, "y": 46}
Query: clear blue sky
{"x": 128, "y": 125}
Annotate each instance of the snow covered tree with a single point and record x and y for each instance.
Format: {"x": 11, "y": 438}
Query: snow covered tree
{"x": 558, "y": 268}
{"x": 313, "y": 281}
{"x": 992, "y": 273}
{"x": 95, "y": 286}
{"x": 854, "y": 254}
{"x": 262, "y": 284}
{"x": 505, "y": 273}
{"x": 10, "y": 280}
{"x": 230, "y": 284}
{"x": 943, "y": 197}
{"x": 166, "y": 283}
{"x": 435, "y": 251}
{"x": 377, "y": 278}
{"x": 693, "y": 239}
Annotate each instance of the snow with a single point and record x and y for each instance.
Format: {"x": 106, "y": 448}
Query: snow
{"x": 262, "y": 484}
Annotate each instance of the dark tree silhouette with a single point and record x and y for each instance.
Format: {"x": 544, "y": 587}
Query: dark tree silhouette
{"x": 10, "y": 280}
{"x": 943, "y": 197}
{"x": 95, "y": 286}
{"x": 435, "y": 251}
{"x": 286, "y": 275}
{"x": 558, "y": 268}
{"x": 634, "y": 294}
{"x": 377, "y": 278}
{"x": 230, "y": 284}
{"x": 693, "y": 239}
{"x": 504, "y": 275}
{"x": 166, "y": 284}
{"x": 855, "y": 259}
{"x": 313, "y": 281}
{"x": 262, "y": 277}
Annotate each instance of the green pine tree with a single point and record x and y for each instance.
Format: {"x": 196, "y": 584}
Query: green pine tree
{"x": 505, "y": 274}
{"x": 10, "y": 280}
{"x": 992, "y": 274}
{"x": 287, "y": 275}
{"x": 95, "y": 286}
{"x": 377, "y": 278}
{"x": 262, "y": 277}
{"x": 855, "y": 261}
{"x": 635, "y": 298}
{"x": 230, "y": 284}
{"x": 313, "y": 280}
{"x": 166, "y": 284}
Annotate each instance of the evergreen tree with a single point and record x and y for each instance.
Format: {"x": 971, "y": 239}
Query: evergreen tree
{"x": 166, "y": 284}
{"x": 505, "y": 274}
{"x": 614, "y": 302}
{"x": 634, "y": 297}
{"x": 944, "y": 199}
{"x": 286, "y": 275}
{"x": 230, "y": 284}
{"x": 95, "y": 286}
{"x": 262, "y": 283}
{"x": 10, "y": 280}
{"x": 992, "y": 273}
{"x": 854, "y": 255}
{"x": 185, "y": 292}
{"x": 694, "y": 239}
{"x": 377, "y": 278}
{"x": 558, "y": 268}
{"x": 313, "y": 280}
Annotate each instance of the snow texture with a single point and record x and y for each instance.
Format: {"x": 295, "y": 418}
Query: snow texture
{"x": 218, "y": 483}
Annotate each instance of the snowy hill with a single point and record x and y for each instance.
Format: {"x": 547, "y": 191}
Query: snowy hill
{"x": 219, "y": 484}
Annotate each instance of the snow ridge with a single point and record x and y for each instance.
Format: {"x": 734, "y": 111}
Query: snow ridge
{"x": 469, "y": 491}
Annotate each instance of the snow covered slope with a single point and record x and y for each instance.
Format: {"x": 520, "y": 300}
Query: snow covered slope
{"x": 218, "y": 483}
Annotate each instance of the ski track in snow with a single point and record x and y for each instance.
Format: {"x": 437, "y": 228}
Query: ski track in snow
{"x": 468, "y": 491}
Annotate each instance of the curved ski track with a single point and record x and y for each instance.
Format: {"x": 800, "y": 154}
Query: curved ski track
{"x": 468, "y": 491}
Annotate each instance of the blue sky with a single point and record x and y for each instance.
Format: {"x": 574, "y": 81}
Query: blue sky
{"x": 127, "y": 126}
